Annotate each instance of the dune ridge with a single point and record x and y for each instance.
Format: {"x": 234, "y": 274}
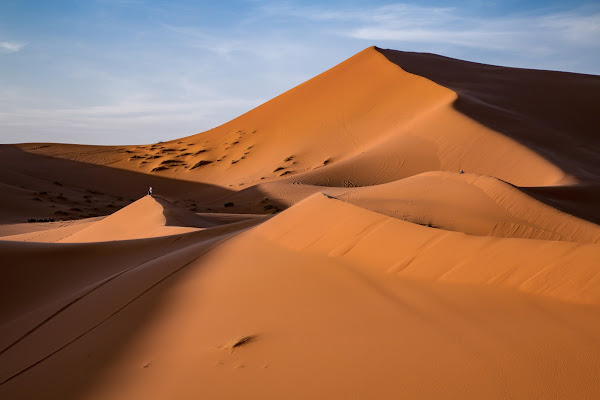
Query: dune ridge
{"x": 473, "y": 204}
{"x": 548, "y": 111}
{"x": 408, "y": 320}
{"x": 146, "y": 217}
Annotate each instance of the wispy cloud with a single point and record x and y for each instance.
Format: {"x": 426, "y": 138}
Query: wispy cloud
{"x": 509, "y": 33}
{"x": 10, "y": 47}
{"x": 120, "y": 123}
{"x": 214, "y": 43}
{"x": 406, "y": 23}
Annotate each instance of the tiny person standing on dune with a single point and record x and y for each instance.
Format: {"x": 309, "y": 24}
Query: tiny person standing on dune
{"x": 150, "y": 191}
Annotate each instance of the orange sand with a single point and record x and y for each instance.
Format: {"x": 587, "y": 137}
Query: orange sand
{"x": 383, "y": 272}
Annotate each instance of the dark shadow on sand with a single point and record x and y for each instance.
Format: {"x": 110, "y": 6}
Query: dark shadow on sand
{"x": 78, "y": 185}
{"x": 553, "y": 113}
{"x": 133, "y": 295}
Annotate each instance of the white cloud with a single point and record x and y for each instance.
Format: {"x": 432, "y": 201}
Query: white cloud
{"x": 445, "y": 26}
{"x": 10, "y": 47}
{"x": 512, "y": 33}
{"x": 125, "y": 123}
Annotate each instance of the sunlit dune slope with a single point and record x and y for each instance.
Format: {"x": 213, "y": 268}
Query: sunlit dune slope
{"x": 473, "y": 204}
{"x": 469, "y": 203}
{"x": 363, "y": 122}
{"x": 51, "y": 233}
{"x": 568, "y": 271}
{"x": 147, "y": 217}
{"x": 333, "y": 300}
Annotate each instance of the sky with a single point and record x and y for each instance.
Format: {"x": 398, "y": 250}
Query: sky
{"x": 141, "y": 71}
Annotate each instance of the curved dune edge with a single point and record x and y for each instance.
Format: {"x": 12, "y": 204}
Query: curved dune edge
{"x": 147, "y": 217}
{"x": 551, "y": 112}
{"x": 472, "y": 204}
{"x": 561, "y": 270}
{"x": 469, "y": 203}
{"x": 144, "y": 218}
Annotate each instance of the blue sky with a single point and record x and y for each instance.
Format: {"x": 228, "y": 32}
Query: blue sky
{"x": 136, "y": 71}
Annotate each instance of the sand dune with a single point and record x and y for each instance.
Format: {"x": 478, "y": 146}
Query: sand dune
{"x": 147, "y": 217}
{"x": 473, "y": 204}
{"x": 403, "y": 225}
{"x": 390, "y": 125}
{"x": 469, "y": 203}
{"x": 551, "y": 112}
{"x": 315, "y": 317}
{"x": 568, "y": 271}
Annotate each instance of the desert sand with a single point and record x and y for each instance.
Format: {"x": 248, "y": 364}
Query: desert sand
{"x": 404, "y": 225}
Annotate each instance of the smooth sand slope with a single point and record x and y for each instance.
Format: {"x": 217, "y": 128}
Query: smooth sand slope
{"x": 324, "y": 245}
{"x": 330, "y": 313}
{"x": 42, "y": 316}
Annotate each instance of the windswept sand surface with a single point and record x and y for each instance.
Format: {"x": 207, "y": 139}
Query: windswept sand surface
{"x": 403, "y": 225}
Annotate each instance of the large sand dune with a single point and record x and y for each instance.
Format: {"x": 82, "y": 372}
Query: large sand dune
{"x": 403, "y": 225}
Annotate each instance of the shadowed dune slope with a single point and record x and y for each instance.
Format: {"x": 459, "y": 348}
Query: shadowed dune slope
{"x": 580, "y": 200}
{"x": 39, "y": 185}
{"x": 553, "y": 113}
{"x": 79, "y": 285}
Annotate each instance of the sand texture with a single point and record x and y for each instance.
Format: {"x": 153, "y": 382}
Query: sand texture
{"x": 403, "y": 225}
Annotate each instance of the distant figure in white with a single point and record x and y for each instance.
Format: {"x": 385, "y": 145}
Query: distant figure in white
{"x": 150, "y": 191}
